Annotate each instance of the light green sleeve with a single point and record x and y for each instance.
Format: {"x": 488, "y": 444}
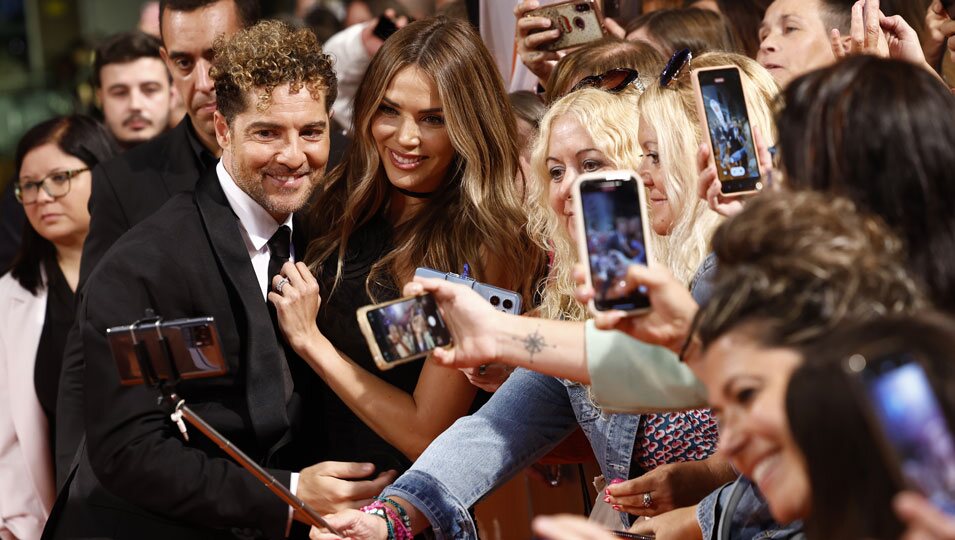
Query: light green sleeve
{"x": 627, "y": 375}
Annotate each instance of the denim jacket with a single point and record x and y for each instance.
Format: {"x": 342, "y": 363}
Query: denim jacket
{"x": 737, "y": 511}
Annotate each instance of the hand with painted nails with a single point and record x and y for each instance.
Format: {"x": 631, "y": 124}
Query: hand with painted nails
{"x": 667, "y": 487}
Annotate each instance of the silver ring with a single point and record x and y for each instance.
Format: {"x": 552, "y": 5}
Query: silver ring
{"x": 647, "y": 500}
{"x": 280, "y": 284}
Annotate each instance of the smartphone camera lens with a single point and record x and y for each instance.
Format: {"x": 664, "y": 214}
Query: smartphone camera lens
{"x": 580, "y": 23}
{"x": 495, "y": 301}
{"x": 582, "y": 8}
{"x": 508, "y": 304}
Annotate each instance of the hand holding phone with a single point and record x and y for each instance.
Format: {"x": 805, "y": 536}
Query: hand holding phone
{"x": 721, "y": 101}
{"x": 612, "y": 234}
{"x": 915, "y": 428}
{"x": 577, "y": 22}
{"x": 403, "y": 330}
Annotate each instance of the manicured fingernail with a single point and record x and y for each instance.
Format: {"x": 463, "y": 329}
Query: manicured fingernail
{"x": 616, "y": 507}
{"x": 616, "y": 481}
{"x": 607, "y": 491}
{"x": 607, "y": 499}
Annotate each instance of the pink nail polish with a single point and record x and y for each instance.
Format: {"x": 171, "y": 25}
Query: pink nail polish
{"x": 616, "y": 481}
{"x": 616, "y": 507}
{"x": 607, "y": 499}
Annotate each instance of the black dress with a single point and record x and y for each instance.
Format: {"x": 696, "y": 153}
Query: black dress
{"x": 345, "y": 436}
{"x": 60, "y": 312}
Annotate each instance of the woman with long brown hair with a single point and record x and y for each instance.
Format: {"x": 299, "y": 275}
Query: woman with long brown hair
{"x": 428, "y": 182}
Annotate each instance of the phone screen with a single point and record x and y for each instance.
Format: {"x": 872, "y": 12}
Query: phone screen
{"x": 408, "y": 328}
{"x": 731, "y": 135}
{"x": 914, "y": 424}
{"x": 614, "y": 228}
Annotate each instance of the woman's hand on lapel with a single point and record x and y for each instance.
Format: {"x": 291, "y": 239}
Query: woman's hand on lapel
{"x": 295, "y": 294}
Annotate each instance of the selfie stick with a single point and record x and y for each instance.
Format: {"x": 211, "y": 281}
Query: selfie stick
{"x": 170, "y": 401}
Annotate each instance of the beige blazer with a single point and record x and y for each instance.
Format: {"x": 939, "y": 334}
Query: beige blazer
{"x": 21, "y": 322}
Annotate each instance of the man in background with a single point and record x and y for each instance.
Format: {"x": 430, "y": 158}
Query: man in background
{"x": 132, "y": 86}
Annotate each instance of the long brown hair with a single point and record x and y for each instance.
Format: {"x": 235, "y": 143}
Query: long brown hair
{"x": 478, "y": 212}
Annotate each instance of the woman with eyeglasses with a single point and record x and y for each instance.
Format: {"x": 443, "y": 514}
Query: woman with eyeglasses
{"x": 53, "y": 162}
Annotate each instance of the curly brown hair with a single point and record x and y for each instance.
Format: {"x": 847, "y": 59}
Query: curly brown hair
{"x": 265, "y": 56}
{"x": 798, "y": 264}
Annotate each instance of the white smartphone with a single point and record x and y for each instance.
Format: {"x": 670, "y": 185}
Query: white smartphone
{"x": 612, "y": 233}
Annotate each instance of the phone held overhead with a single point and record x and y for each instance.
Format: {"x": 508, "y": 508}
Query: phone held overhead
{"x": 579, "y": 22}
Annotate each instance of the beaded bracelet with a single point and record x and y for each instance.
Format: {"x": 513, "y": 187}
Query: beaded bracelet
{"x": 398, "y": 527}
{"x": 398, "y": 508}
{"x": 376, "y": 509}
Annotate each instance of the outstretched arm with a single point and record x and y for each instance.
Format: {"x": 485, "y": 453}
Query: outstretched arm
{"x": 409, "y": 422}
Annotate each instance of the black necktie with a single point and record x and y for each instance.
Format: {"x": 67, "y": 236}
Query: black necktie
{"x": 279, "y": 253}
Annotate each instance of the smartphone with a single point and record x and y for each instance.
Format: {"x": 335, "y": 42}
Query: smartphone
{"x": 384, "y": 28}
{"x": 403, "y": 330}
{"x": 722, "y": 106}
{"x": 612, "y": 233}
{"x": 914, "y": 426}
{"x": 177, "y": 349}
{"x": 502, "y": 299}
{"x": 579, "y": 22}
{"x": 633, "y": 536}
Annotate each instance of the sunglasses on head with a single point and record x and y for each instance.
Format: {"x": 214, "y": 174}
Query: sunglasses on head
{"x": 671, "y": 72}
{"x": 613, "y": 81}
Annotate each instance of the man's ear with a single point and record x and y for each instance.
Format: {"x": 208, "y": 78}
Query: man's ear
{"x": 223, "y": 133}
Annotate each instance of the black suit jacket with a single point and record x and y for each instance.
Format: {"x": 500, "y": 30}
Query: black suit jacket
{"x": 126, "y": 190}
{"x": 186, "y": 260}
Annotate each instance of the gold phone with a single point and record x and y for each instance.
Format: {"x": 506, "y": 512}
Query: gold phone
{"x": 403, "y": 330}
{"x": 579, "y": 22}
{"x": 721, "y": 101}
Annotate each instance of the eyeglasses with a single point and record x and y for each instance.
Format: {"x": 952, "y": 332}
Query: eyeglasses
{"x": 671, "y": 72}
{"x": 613, "y": 81}
{"x": 56, "y": 185}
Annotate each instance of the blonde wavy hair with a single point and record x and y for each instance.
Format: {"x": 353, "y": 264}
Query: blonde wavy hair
{"x": 672, "y": 112}
{"x": 478, "y": 213}
{"x": 611, "y": 121}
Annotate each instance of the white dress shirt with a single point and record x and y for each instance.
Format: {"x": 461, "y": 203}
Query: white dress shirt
{"x": 257, "y": 227}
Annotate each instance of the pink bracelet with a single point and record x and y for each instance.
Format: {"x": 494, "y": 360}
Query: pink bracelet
{"x": 396, "y": 524}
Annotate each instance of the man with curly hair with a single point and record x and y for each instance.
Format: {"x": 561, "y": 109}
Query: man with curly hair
{"x": 217, "y": 253}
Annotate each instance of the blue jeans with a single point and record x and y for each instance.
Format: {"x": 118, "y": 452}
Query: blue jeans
{"x": 527, "y": 417}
